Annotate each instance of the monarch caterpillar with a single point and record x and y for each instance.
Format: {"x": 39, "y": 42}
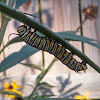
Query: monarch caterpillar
{"x": 51, "y": 46}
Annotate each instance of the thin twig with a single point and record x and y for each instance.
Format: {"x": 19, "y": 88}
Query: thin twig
{"x": 81, "y": 25}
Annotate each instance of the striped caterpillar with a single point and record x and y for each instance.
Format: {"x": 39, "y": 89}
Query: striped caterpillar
{"x": 51, "y": 46}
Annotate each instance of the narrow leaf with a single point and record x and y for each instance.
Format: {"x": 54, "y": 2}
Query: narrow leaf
{"x": 17, "y": 57}
{"x": 39, "y": 77}
{"x": 32, "y": 66}
{"x": 73, "y": 37}
{"x": 66, "y": 32}
{"x": 10, "y": 93}
{"x": 46, "y": 84}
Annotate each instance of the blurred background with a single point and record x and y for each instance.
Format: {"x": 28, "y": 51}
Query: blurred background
{"x": 59, "y": 16}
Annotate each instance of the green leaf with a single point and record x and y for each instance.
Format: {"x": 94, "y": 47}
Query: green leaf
{"x": 19, "y": 3}
{"x": 42, "y": 96}
{"x": 68, "y": 36}
{"x": 39, "y": 77}
{"x": 11, "y": 93}
{"x": 17, "y": 57}
{"x": 46, "y": 84}
{"x": 14, "y": 40}
{"x": 32, "y": 66}
{"x": 66, "y": 32}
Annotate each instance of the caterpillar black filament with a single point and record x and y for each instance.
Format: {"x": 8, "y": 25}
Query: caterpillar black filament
{"x": 51, "y": 46}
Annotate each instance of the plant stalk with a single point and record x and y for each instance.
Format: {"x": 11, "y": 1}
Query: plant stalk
{"x": 44, "y": 72}
{"x": 40, "y": 20}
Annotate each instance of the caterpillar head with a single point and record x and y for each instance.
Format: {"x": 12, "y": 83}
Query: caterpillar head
{"x": 22, "y": 29}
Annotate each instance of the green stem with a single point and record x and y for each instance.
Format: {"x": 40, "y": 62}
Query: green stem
{"x": 4, "y": 23}
{"x": 4, "y": 58}
{"x": 44, "y": 30}
{"x": 44, "y": 72}
{"x": 3, "y": 28}
{"x": 40, "y": 20}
